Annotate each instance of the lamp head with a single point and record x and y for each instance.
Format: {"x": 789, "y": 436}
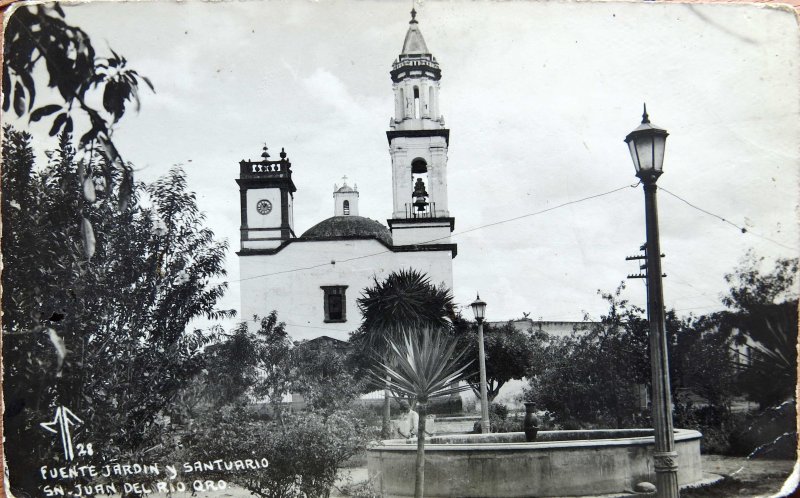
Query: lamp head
{"x": 479, "y": 309}
{"x": 646, "y": 144}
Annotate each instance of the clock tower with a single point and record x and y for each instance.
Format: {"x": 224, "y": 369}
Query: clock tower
{"x": 418, "y": 142}
{"x": 266, "y": 193}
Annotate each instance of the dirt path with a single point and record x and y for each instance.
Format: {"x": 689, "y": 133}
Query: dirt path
{"x": 743, "y": 478}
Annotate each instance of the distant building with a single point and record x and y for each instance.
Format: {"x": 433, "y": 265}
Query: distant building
{"x": 309, "y": 279}
{"x": 559, "y": 329}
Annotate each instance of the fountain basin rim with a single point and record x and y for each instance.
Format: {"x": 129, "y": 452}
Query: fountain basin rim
{"x": 410, "y": 444}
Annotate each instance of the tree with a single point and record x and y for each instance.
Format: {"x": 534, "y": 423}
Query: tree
{"x": 700, "y": 361}
{"x": 39, "y": 34}
{"x": 763, "y": 314}
{"x": 422, "y": 366}
{"x": 230, "y": 368}
{"x": 406, "y": 300}
{"x": 303, "y": 450}
{"x": 274, "y": 362}
{"x": 323, "y": 376}
{"x": 510, "y": 353}
{"x": 106, "y": 336}
{"x": 589, "y": 376}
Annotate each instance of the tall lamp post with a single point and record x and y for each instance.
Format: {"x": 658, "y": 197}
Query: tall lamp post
{"x": 646, "y": 144}
{"x": 479, "y": 308}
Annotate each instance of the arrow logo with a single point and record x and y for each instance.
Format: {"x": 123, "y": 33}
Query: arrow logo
{"x": 64, "y": 418}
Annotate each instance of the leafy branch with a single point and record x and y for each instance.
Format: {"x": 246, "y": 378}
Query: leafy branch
{"x": 40, "y": 34}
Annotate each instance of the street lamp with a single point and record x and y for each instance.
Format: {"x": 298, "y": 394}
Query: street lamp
{"x": 646, "y": 144}
{"x": 479, "y": 309}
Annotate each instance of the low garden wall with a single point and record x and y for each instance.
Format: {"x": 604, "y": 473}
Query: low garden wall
{"x": 559, "y": 463}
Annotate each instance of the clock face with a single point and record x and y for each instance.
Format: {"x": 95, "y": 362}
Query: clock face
{"x": 264, "y": 206}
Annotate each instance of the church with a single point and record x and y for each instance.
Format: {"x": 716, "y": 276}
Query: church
{"x": 314, "y": 280}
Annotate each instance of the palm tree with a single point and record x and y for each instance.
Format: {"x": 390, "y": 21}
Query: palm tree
{"x": 422, "y": 366}
{"x": 405, "y": 300}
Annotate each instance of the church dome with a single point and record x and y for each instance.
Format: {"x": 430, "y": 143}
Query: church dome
{"x": 345, "y": 227}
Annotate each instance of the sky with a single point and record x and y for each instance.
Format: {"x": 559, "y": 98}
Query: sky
{"x": 538, "y": 97}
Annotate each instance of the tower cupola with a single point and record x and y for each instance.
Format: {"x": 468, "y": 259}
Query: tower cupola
{"x": 415, "y": 76}
{"x": 345, "y": 199}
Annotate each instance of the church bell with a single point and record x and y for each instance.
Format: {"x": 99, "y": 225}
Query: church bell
{"x": 420, "y": 195}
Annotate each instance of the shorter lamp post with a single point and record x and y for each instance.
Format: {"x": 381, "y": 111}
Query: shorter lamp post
{"x": 646, "y": 144}
{"x": 479, "y": 308}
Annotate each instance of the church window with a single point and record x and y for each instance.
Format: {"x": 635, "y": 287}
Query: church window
{"x": 334, "y": 303}
{"x": 416, "y": 102}
{"x": 346, "y": 208}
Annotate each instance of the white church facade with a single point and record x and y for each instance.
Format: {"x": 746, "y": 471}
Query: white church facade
{"x": 314, "y": 280}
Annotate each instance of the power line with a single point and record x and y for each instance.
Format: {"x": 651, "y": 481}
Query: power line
{"x": 740, "y": 228}
{"x": 454, "y": 234}
{"x": 508, "y": 220}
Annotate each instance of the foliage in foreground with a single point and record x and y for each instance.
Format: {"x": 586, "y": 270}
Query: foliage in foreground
{"x": 305, "y": 448}
{"x": 104, "y": 336}
{"x": 304, "y": 452}
{"x": 39, "y": 35}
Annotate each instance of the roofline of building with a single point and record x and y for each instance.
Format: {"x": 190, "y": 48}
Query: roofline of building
{"x": 442, "y": 132}
{"x": 439, "y": 219}
{"x": 453, "y": 248}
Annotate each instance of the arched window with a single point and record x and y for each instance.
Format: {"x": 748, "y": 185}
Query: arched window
{"x": 346, "y": 208}
{"x": 416, "y": 102}
{"x": 419, "y": 165}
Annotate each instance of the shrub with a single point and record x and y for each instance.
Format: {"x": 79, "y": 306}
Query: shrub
{"x": 498, "y": 409}
{"x": 499, "y": 421}
{"x": 304, "y": 453}
{"x": 448, "y": 405}
{"x": 508, "y": 424}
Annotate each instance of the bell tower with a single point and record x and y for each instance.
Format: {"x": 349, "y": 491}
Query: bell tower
{"x": 418, "y": 142}
{"x": 345, "y": 199}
